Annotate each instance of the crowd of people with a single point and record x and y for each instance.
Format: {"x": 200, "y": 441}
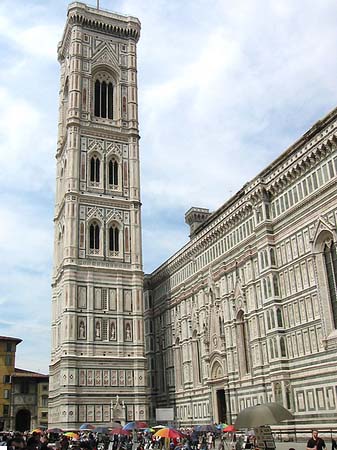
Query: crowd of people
{"x": 145, "y": 440}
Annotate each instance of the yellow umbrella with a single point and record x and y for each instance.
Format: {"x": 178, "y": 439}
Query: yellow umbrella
{"x": 72, "y": 435}
{"x": 37, "y": 430}
{"x": 168, "y": 433}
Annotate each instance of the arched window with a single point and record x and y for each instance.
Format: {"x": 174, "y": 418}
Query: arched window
{"x": 243, "y": 351}
{"x": 278, "y": 393}
{"x": 265, "y": 288}
{"x": 330, "y": 259}
{"x": 95, "y": 170}
{"x": 272, "y": 316}
{"x": 268, "y": 320}
{"x": 196, "y": 357}
{"x": 272, "y": 257}
{"x": 279, "y": 317}
{"x": 113, "y": 173}
{"x": 94, "y": 232}
{"x": 275, "y": 347}
{"x": 113, "y": 240}
{"x": 265, "y": 255}
{"x": 283, "y": 347}
{"x": 269, "y": 287}
{"x": 276, "y": 285}
{"x": 221, "y": 326}
{"x": 103, "y": 97}
{"x": 262, "y": 260}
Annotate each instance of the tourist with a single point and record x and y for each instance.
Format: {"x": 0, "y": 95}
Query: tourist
{"x": 315, "y": 442}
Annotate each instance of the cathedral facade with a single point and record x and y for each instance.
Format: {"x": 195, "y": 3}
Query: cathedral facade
{"x": 246, "y": 311}
{"x": 98, "y": 365}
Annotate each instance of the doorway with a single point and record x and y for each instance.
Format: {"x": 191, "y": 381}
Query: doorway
{"x": 22, "y": 420}
{"x": 221, "y": 403}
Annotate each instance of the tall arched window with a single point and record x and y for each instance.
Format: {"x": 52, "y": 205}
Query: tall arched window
{"x": 113, "y": 173}
{"x": 283, "y": 347}
{"x": 103, "y": 97}
{"x": 243, "y": 351}
{"x": 279, "y": 317}
{"x": 94, "y": 232}
{"x": 276, "y": 285}
{"x": 95, "y": 169}
{"x": 330, "y": 258}
{"x": 113, "y": 239}
{"x": 196, "y": 363}
{"x": 278, "y": 393}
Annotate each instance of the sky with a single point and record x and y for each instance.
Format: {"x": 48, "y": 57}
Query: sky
{"x": 224, "y": 88}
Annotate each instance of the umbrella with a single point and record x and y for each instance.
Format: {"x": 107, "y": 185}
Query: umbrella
{"x": 168, "y": 433}
{"x": 221, "y": 426}
{"x": 37, "y": 430}
{"x": 120, "y": 431}
{"x": 115, "y": 425}
{"x": 149, "y": 430}
{"x": 265, "y": 414}
{"x": 72, "y": 435}
{"x": 158, "y": 427}
{"x": 229, "y": 429}
{"x": 86, "y": 427}
{"x": 54, "y": 430}
{"x": 135, "y": 425}
{"x": 205, "y": 428}
{"x": 102, "y": 430}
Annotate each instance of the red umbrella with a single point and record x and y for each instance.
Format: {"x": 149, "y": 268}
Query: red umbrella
{"x": 119, "y": 431}
{"x": 229, "y": 428}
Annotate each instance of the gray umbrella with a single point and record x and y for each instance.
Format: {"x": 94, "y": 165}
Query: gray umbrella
{"x": 265, "y": 414}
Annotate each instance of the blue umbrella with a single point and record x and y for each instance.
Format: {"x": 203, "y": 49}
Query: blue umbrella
{"x": 137, "y": 425}
{"x": 86, "y": 427}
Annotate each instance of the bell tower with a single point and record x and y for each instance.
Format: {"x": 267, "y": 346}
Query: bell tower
{"x": 98, "y": 369}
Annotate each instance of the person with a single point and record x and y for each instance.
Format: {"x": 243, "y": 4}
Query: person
{"x": 315, "y": 442}
{"x": 33, "y": 441}
{"x": 43, "y": 443}
{"x": 333, "y": 443}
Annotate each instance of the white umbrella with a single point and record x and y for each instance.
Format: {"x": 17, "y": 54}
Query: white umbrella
{"x": 265, "y": 414}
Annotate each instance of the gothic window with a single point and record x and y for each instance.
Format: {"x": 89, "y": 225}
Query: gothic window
{"x": 196, "y": 357}
{"x": 283, "y": 347}
{"x": 288, "y": 395}
{"x": 276, "y": 285}
{"x": 114, "y": 240}
{"x": 265, "y": 292}
{"x": 279, "y": 317}
{"x": 275, "y": 347}
{"x": 95, "y": 170}
{"x": 269, "y": 287}
{"x": 243, "y": 351}
{"x": 94, "y": 238}
{"x": 278, "y": 393}
{"x": 330, "y": 259}
{"x": 103, "y": 97}
{"x": 272, "y": 257}
{"x": 113, "y": 173}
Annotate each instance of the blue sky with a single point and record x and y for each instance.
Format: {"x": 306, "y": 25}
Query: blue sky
{"x": 224, "y": 88}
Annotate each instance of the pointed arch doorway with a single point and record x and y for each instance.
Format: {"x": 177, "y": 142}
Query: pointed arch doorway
{"x": 219, "y": 403}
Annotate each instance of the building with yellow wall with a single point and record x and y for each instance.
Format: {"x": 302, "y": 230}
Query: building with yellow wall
{"x": 7, "y": 367}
